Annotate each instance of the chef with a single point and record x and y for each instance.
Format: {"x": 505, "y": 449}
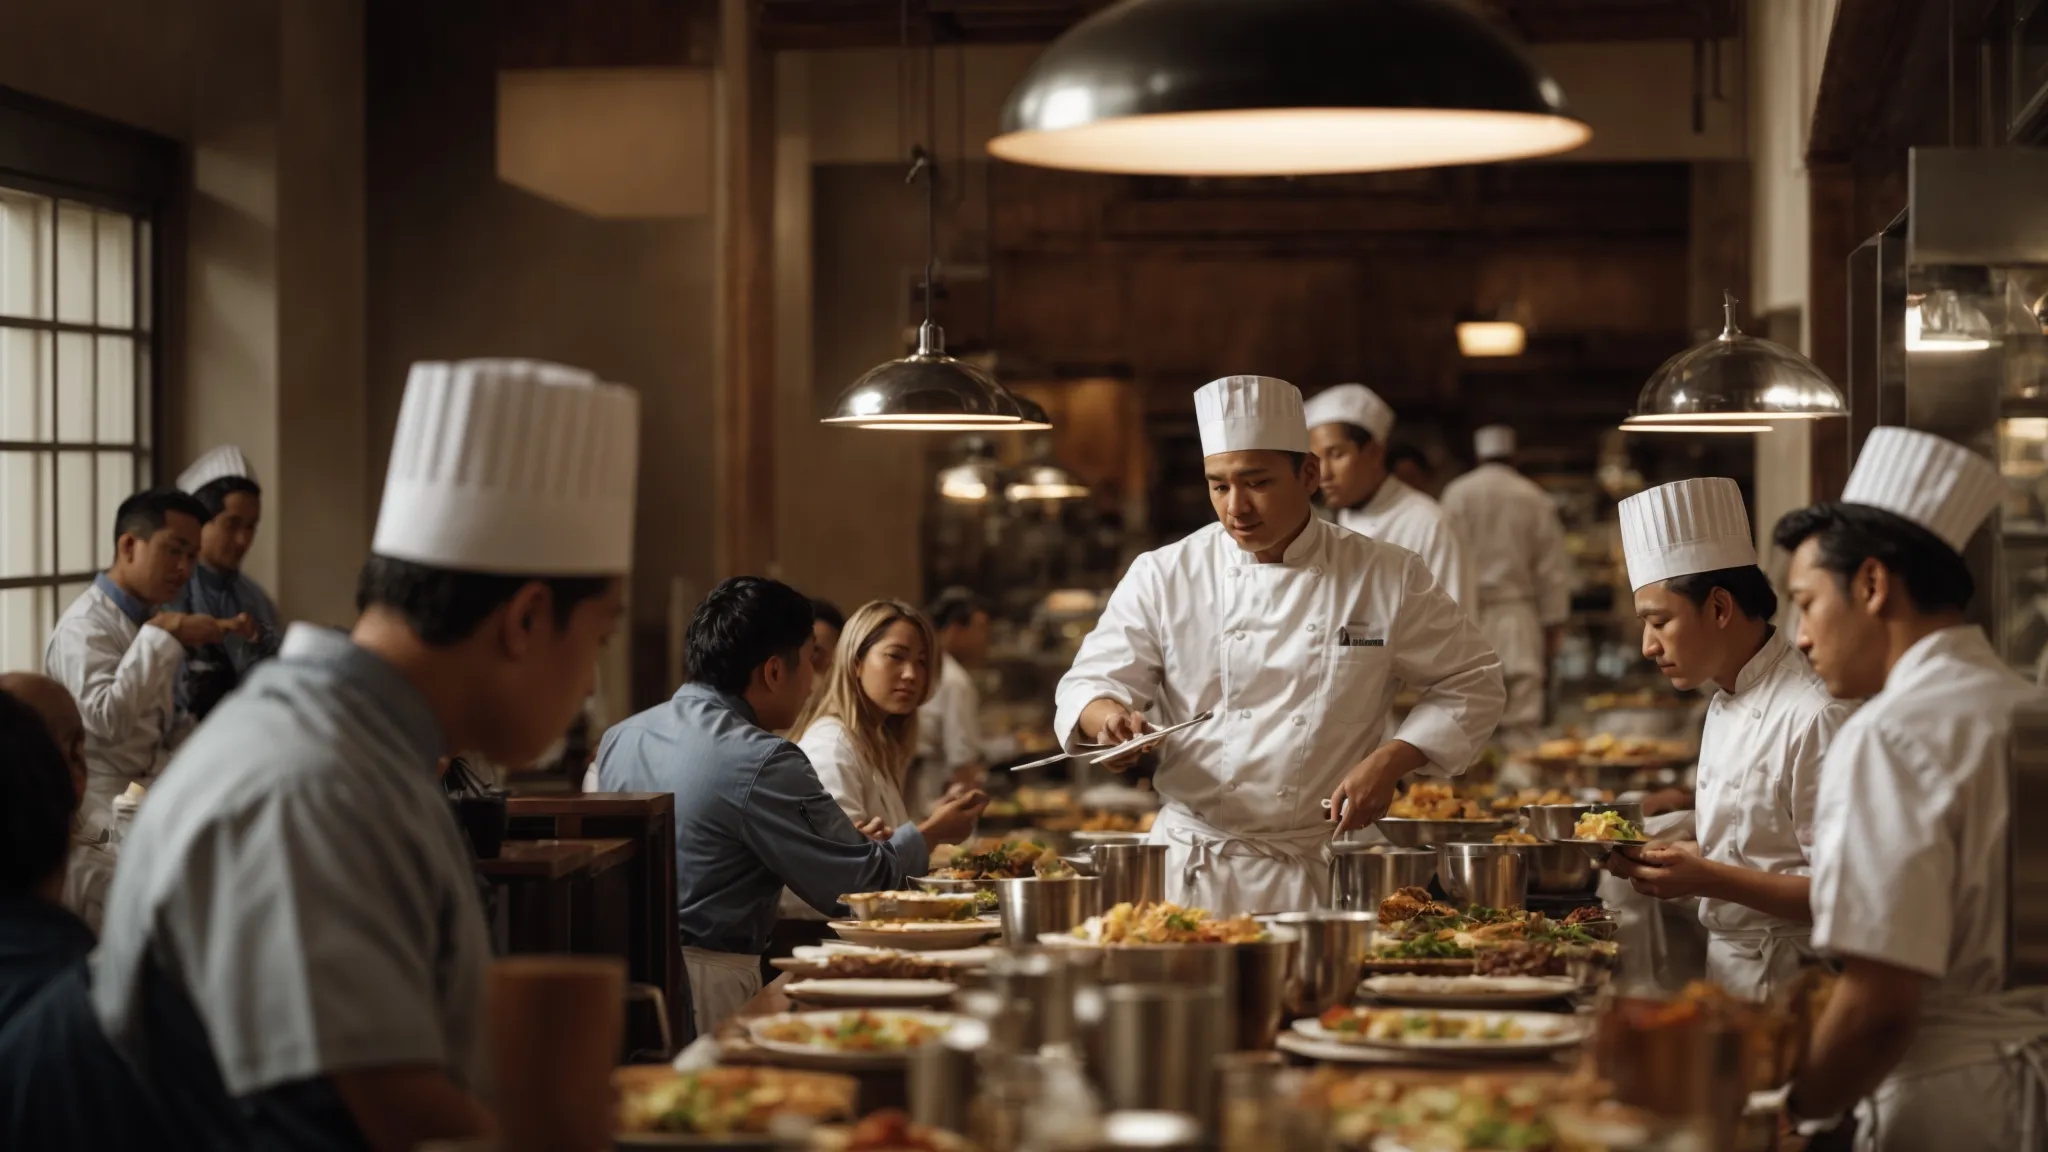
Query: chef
{"x": 1348, "y": 427}
{"x": 1296, "y": 634}
{"x": 294, "y": 952}
{"x": 1516, "y": 542}
{"x": 1911, "y": 851}
{"x": 1706, "y": 610}
{"x": 225, "y": 484}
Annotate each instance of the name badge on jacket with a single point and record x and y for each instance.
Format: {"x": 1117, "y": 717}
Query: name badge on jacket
{"x": 1353, "y": 635}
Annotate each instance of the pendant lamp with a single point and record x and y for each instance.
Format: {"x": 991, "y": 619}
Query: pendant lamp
{"x": 1733, "y": 380}
{"x": 973, "y": 480}
{"x": 1942, "y": 321}
{"x": 1283, "y": 88}
{"x": 929, "y": 391}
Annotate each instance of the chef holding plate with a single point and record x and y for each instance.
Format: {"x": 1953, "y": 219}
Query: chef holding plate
{"x": 1296, "y": 634}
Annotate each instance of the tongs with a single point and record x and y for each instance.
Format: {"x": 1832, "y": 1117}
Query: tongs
{"x": 1097, "y": 753}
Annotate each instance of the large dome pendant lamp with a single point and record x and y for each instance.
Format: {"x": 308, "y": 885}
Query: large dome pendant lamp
{"x": 1283, "y": 88}
{"x": 1734, "y": 383}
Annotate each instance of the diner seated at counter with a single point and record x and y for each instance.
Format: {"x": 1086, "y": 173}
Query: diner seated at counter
{"x": 752, "y": 816}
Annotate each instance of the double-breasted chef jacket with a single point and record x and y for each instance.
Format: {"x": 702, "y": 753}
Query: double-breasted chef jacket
{"x": 1399, "y": 515}
{"x": 1300, "y": 661}
{"x": 1515, "y": 544}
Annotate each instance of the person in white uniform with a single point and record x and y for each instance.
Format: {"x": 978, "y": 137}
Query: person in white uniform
{"x": 1911, "y": 841}
{"x": 120, "y": 657}
{"x": 1296, "y": 634}
{"x": 1706, "y": 610}
{"x": 1515, "y": 540}
{"x": 951, "y": 751}
{"x": 1348, "y": 427}
{"x": 295, "y": 933}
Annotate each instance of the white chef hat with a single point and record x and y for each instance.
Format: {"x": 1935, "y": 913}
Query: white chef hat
{"x": 1937, "y": 484}
{"x": 1685, "y": 528}
{"x": 1493, "y": 442}
{"x": 1352, "y": 404}
{"x": 514, "y": 467}
{"x": 1250, "y": 413}
{"x": 219, "y": 464}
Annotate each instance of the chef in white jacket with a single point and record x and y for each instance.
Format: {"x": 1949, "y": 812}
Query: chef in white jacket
{"x": 120, "y": 657}
{"x": 1348, "y": 427}
{"x": 1515, "y": 540}
{"x": 1911, "y": 839}
{"x": 1706, "y": 610}
{"x": 1296, "y": 634}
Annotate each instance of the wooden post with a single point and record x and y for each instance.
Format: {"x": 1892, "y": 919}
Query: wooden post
{"x": 745, "y": 402}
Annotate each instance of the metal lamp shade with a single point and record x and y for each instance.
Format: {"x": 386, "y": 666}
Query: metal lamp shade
{"x": 1734, "y": 381}
{"x": 1045, "y": 482}
{"x": 928, "y": 391}
{"x": 1283, "y": 88}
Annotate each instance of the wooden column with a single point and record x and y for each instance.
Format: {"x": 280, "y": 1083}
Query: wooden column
{"x": 1833, "y": 234}
{"x": 745, "y": 401}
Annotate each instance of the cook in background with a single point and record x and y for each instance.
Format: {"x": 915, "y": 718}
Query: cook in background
{"x": 952, "y": 753}
{"x": 751, "y": 815}
{"x": 1514, "y": 538}
{"x": 1911, "y": 841}
{"x": 224, "y": 483}
{"x": 119, "y": 657}
{"x": 90, "y": 870}
{"x": 1348, "y": 427}
{"x": 294, "y": 931}
{"x": 1411, "y": 466}
{"x": 827, "y": 622}
{"x": 1706, "y": 610}
{"x": 1297, "y": 634}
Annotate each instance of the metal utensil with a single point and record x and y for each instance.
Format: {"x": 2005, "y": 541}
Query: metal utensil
{"x": 1410, "y": 833}
{"x": 1559, "y": 869}
{"x": 1329, "y": 960}
{"x": 1130, "y": 873}
{"x": 1362, "y": 875}
{"x": 1160, "y": 1043}
{"x": 1147, "y": 740}
{"x": 1491, "y": 875}
{"x": 1032, "y": 906}
{"x": 1264, "y": 970}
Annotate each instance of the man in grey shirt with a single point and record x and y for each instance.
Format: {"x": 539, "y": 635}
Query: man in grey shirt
{"x": 294, "y": 953}
{"x": 751, "y": 814}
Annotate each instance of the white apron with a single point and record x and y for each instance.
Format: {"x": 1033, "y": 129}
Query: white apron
{"x": 1755, "y": 964}
{"x": 1231, "y": 874}
{"x": 721, "y": 983}
{"x": 1975, "y": 1080}
{"x": 1512, "y": 628}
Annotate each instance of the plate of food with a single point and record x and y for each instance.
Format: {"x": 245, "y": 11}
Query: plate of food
{"x": 1429, "y": 1112}
{"x": 860, "y": 1038}
{"x": 660, "y": 1107}
{"x": 915, "y": 936}
{"x": 1599, "y": 834}
{"x": 1161, "y": 923}
{"x": 825, "y": 964}
{"x": 910, "y": 906}
{"x": 1468, "y": 991}
{"x": 992, "y": 859}
{"x": 1459, "y": 1031}
{"x": 890, "y": 1130}
{"x": 1333, "y": 1052}
{"x": 870, "y": 992}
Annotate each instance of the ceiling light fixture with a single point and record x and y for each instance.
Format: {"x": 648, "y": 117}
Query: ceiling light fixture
{"x": 1483, "y": 338}
{"x": 973, "y": 480}
{"x": 1734, "y": 379}
{"x": 1942, "y": 321}
{"x": 1283, "y": 88}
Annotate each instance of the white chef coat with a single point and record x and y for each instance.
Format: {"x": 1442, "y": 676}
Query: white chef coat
{"x": 1300, "y": 661}
{"x": 88, "y": 875}
{"x": 1514, "y": 539}
{"x": 861, "y": 791}
{"x": 1398, "y": 514}
{"x": 1909, "y": 869}
{"x": 123, "y": 675}
{"x": 1757, "y": 784}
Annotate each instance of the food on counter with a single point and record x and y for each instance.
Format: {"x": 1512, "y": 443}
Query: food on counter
{"x": 1562, "y": 748}
{"x": 851, "y": 1031}
{"x": 1587, "y": 914}
{"x": 910, "y": 907}
{"x": 1607, "y": 826}
{"x": 1612, "y": 749}
{"x": 1511, "y": 801}
{"x": 997, "y": 859}
{"x": 1119, "y": 822}
{"x": 885, "y": 966}
{"x": 1520, "y": 959}
{"x": 1640, "y": 698}
{"x": 1167, "y": 924}
{"x": 1514, "y": 836}
{"x": 891, "y": 1130}
{"x": 1398, "y": 1025}
{"x": 728, "y": 1101}
{"x": 1409, "y": 903}
{"x": 1043, "y": 801}
{"x": 1442, "y": 944}
{"x": 1428, "y": 801}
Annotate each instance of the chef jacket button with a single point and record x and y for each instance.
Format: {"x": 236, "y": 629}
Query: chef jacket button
{"x": 1756, "y": 713}
{"x": 1317, "y": 570}
{"x": 1245, "y": 715}
{"x": 1233, "y": 571}
{"x": 1300, "y": 720}
{"x": 1230, "y": 787}
{"x": 1315, "y": 627}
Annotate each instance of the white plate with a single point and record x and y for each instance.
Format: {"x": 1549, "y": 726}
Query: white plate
{"x": 1465, "y": 991}
{"x": 964, "y": 957}
{"x": 1549, "y": 1031}
{"x": 1336, "y": 1053}
{"x": 916, "y": 937}
{"x": 810, "y": 1056}
{"x": 856, "y": 992}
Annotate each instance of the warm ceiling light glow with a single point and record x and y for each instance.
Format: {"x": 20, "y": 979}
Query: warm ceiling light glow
{"x": 1710, "y": 429}
{"x": 1918, "y": 339}
{"x": 1292, "y": 141}
{"x": 1719, "y": 418}
{"x": 1478, "y": 338}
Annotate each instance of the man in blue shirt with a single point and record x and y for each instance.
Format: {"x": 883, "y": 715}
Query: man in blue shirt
{"x": 751, "y": 814}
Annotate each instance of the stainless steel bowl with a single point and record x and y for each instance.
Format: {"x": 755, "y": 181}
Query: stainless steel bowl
{"x": 1130, "y": 873}
{"x": 1327, "y": 965}
{"x": 1407, "y": 833}
{"x": 1032, "y": 906}
{"x": 1083, "y": 841}
{"x": 1264, "y": 971}
{"x": 1554, "y": 821}
{"x": 1362, "y": 875}
{"x": 1491, "y": 875}
{"x": 1559, "y": 869}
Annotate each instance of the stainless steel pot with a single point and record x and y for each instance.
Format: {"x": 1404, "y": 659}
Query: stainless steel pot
{"x": 1160, "y": 1043}
{"x": 1362, "y": 875}
{"x": 1328, "y": 961}
{"x": 1130, "y": 873}
{"x": 1555, "y": 821}
{"x": 1043, "y": 984}
{"x": 1032, "y": 906}
{"x": 1559, "y": 869}
{"x": 1493, "y": 875}
{"x": 1264, "y": 971}
{"x": 1212, "y": 966}
{"x": 1410, "y": 833}
{"x": 943, "y": 1077}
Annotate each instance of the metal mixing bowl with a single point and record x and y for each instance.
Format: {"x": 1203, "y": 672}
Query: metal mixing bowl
{"x": 1406, "y": 833}
{"x": 1554, "y": 822}
{"x": 1492, "y": 875}
{"x": 1559, "y": 869}
{"x": 1362, "y": 875}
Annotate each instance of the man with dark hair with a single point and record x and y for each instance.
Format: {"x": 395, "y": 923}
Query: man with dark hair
{"x": 119, "y": 656}
{"x": 1349, "y": 426}
{"x": 1411, "y": 467}
{"x": 225, "y": 484}
{"x": 1706, "y": 610}
{"x": 90, "y": 871}
{"x": 296, "y": 911}
{"x": 38, "y": 937}
{"x": 827, "y": 622}
{"x": 950, "y": 747}
{"x": 1911, "y": 848}
{"x": 751, "y": 815}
